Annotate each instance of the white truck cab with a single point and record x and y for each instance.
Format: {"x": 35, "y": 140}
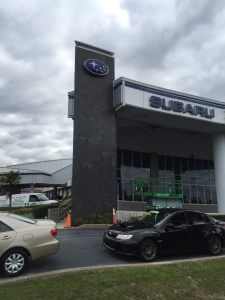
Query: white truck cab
{"x": 27, "y": 199}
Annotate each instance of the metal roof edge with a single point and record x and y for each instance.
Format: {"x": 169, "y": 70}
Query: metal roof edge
{"x": 93, "y": 48}
{"x": 145, "y": 85}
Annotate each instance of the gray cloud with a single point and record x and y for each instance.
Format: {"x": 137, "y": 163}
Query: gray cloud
{"x": 174, "y": 44}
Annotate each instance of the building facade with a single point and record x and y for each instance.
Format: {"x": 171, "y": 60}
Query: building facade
{"x": 126, "y": 130}
{"x": 52, "y": 177}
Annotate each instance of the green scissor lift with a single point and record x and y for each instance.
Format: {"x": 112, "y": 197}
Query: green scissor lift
{"x": 159, "y": 192}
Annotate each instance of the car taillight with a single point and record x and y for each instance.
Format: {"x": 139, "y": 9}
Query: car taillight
{"x": 53, "y": 232}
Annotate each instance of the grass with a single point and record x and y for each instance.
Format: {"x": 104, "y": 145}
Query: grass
{"x": 201, "y": 280}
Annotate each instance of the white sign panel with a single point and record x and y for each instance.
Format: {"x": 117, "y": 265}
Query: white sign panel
{"x": 170, "y": 104}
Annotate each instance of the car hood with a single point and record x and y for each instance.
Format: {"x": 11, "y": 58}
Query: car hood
{"x": 126, "y": 226}
{"x": 48, "y": 202}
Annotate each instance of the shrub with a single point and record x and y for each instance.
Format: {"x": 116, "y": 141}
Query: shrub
{"x": 37, "y": 212}
{"x": 94, "y": 219}
{"x": 218, "y": 217}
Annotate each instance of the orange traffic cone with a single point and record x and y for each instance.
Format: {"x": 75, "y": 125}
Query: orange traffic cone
{"x": 68, "y": 221}
{"x": 114, "y": 219}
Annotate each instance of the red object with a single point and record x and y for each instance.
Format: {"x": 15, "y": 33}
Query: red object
{"x": 53, "y": 232}
{"x": 68, "y": 221}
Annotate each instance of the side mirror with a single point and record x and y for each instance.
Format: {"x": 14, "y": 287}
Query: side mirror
{"x": 169, "y": 226}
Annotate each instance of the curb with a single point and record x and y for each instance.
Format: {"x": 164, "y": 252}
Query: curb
{"x": 93, "y": 226}
{"x": 104, "y": 267}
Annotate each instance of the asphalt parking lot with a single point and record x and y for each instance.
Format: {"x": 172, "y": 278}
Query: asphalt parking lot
{"x": 79, "y": 248}
{"x": 83, "y": 248}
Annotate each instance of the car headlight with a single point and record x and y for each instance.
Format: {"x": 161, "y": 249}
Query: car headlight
{"x": 124, "y": 236}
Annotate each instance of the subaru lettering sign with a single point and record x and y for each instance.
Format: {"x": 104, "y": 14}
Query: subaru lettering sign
{"x": 180, "y": 107}
{"x": 96, "y": 67}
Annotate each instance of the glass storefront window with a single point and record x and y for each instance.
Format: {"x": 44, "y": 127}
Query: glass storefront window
{"x": 140, "y": 172}
{"x": 119, "y": 158}
{"x": 193, "y": 190}
{"x": 183, "y": 165}
{"x": 162, "y": 162}
{"x": 177, "y": 165}
{"x": 199, "y": 179}
{"x": 214, "y": 201}
{"x": 131, "y": 164}
{"x": 205, "y": 164}
{"x": 119, "y": 189}
{"x": 128, "y": 192}
{"x": 137, "y": 159}
{"x": 198, "y": 164}
{"x": 169, "y": 163}
{"x": 208, "y": 195}
{"x": 185, "y": 179}
{"x": 191, "y": 164}
{"x": 206, "y": 179}
{"x": 127, "y": 158}
{"x": 145, "y": 160}
{"x": 192, "y": 179}
{"x": 212, "y": 177}
{"x": 186, "y": 191}
{"x": 138, "y": 198}
{"x": 211, "y": 164}
{"x": 201, "y": 196}
{"x": 197, "y": 175}
{"x": 126, "y": 172}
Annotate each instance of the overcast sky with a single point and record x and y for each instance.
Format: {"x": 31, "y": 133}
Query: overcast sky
{"x": 176, "y": 44}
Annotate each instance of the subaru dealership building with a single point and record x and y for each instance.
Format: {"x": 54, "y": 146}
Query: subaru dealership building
{"x": 126, "y": 130}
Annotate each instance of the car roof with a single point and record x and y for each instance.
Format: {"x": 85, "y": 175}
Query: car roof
{"x": 26, "y": 194}
{"x": 171, "y": 210}
{"x": 14, "y": 223}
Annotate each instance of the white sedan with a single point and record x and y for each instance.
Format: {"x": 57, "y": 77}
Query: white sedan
{"x": 23, "y": 240}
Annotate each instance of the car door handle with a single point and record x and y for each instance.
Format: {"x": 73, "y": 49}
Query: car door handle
{"x": 6, "y": 237}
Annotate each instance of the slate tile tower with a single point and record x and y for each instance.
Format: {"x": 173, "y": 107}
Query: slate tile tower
{"x": 95, "y": 142}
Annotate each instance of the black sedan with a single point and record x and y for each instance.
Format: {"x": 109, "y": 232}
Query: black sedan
{"x": 166, "y": 231}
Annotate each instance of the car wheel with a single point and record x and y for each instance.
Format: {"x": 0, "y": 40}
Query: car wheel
{"x": 14, "y": 262}
{"x": 148, "y": 250}
{"x": 214, "y": 245}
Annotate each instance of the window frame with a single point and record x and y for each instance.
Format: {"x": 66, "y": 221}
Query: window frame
{"x": 175, "y": 215}
{"x": 37, "y": 199}
{"x": 203, "y": 216}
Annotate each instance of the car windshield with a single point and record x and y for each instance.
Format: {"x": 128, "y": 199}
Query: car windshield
{"x": 43, "y": 197}
{"x": 22, "y": 218}
{"x": 153, "y": 217}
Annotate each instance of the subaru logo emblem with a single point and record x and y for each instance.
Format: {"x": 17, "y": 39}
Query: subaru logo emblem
{"x": 96, "y": 67}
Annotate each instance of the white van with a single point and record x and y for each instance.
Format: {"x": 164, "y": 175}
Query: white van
{"x": 27, "y": 199}
{"x": 4, "y": 201}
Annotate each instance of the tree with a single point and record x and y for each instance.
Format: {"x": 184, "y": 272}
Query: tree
{"x": 9, "y": 181}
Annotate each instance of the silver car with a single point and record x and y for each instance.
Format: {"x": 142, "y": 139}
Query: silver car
{"x": 23, "y": 240}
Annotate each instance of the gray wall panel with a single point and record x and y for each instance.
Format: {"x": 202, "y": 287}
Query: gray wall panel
{"x": 62, "y": 176}
{"x": 49, "y": 166}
